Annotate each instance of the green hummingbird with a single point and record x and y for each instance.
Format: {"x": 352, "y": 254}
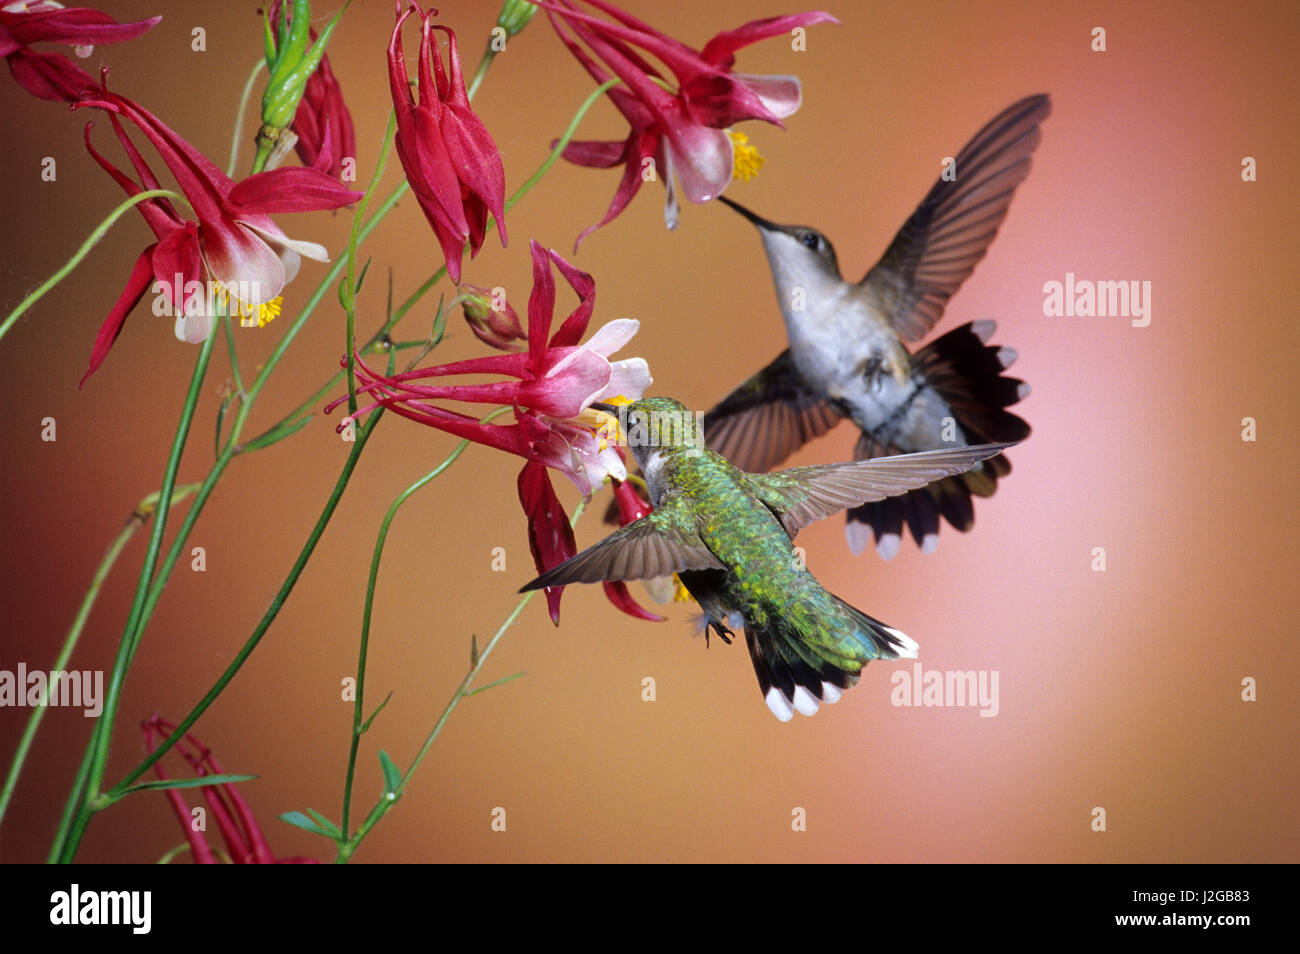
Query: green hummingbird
{"x": 729, "y": 534}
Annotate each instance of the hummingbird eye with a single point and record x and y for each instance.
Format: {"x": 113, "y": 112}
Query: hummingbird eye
{"x": 810, "y": 240}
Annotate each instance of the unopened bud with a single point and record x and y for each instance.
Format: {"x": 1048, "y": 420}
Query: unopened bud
{"x": 515, "y": 15}
{"x": 492, "y": 319}
{"x": 291, "y": 58}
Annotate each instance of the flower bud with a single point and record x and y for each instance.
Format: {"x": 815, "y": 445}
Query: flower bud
{"x": 515, "y": 15}
{"x": 497, "y": 327}
{"x": 291, "y": 64}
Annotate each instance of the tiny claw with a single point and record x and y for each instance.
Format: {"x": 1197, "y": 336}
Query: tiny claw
{"x": 723, "y": 633}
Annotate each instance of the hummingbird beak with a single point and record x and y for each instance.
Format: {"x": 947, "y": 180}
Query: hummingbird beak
{"x": 758, "y": 220}
{"x": 609, "y": 409}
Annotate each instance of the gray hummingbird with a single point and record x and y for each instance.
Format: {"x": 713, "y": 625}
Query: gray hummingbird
{"x": 847, "y": 356}
{"x": 728, "y": 535}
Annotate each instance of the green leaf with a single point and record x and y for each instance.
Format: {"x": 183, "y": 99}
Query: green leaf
{"x": 362, "y": 277}
{"x": 325, "y": 823}
{"x": 299, "y": 820}
{"x": 365, "y": 726}
{"x": 277, "y": 434}
{"x": 492, "y": 685}
{"x": 392, "y": 777}
{"x": 166, "y": 783}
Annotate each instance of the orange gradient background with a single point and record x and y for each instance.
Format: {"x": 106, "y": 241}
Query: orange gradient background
{"x": 1119, "y": 689}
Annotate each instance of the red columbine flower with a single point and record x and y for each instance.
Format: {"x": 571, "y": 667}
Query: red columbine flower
{"x": 451, "y": 162}
{"x": 683, "y": 130}
{"x": 322, "y": 122}
{"x": 550, "y": 386}
{"x": 235, "y": 244}
{"x": 245, "y": 842}
{"x": 49, "y": 75}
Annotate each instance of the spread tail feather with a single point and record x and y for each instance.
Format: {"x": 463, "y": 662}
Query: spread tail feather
{"x": 795, "y": 678}
{"x": 966, "y": 371}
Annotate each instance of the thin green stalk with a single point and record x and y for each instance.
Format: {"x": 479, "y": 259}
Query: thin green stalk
{"x": 81, "y": 253}
{"x": 227, "y": 325}
{"x": 363, "y": 435}
{"x": 294, "y": 419}
{"x": 463, "y": 691}
{"x": 561, "y": 143}
{"x": 488, "y": 55}
{"x": 102, "y": 736}
{"x": 239, "y": 117}
{"x": 349, "y": 294}
{"x": 358, "y": 705}
{"x": 139, "y": 517}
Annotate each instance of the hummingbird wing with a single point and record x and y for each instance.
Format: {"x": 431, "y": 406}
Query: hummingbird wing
{"x": 661, "y": 543}
{"x": 938, "y": 247}
{"x": 768, "y": 418}
{"x": 803, "y": 494}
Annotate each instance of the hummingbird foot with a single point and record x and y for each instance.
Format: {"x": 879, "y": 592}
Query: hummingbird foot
{"x": 723, "y": 633}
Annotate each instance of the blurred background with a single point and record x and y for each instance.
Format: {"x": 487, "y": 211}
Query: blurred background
{"x": 1118, "y": 689}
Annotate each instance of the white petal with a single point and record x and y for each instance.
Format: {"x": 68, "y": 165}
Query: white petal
{"x": 780, "y": 94}
{"x": 312, "y": 250}
{"x": 612, "y": 335}
{"x": 628, "y": 378}
{"x": 195, "y": 328}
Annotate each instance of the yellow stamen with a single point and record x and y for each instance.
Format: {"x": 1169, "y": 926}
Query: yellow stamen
{"x": 605, "y": 425}
{"x": 250, "y": 316}
{"x": 748, "y": 161}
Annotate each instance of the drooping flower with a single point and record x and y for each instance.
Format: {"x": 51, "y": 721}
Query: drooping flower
{"x": 550, "y": 387}
{"x": 681, "y": 129}
{"x": 234, "y": 244}
{"x": 450, "y": 160}
{"x": 245, "y": 843}
{"x": 51, "y": 75}
{"x": 323, "y": 125}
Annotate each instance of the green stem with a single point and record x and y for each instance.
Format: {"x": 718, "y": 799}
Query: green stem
{"x": 463, "y": 691}
{"x": 363, "y": 435}
{"x": 227, "y": 325}
{"x": 358, "y": 705}
{"x": 81, "y": 253}
{"x": 483, "y": 64}
{"x": 561, "y": 143}
{"x": 139, "y": 517}
{"x": 349, "y": 295}
{"x": 102, "y": 736}
{"x": 239, "y": 117}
